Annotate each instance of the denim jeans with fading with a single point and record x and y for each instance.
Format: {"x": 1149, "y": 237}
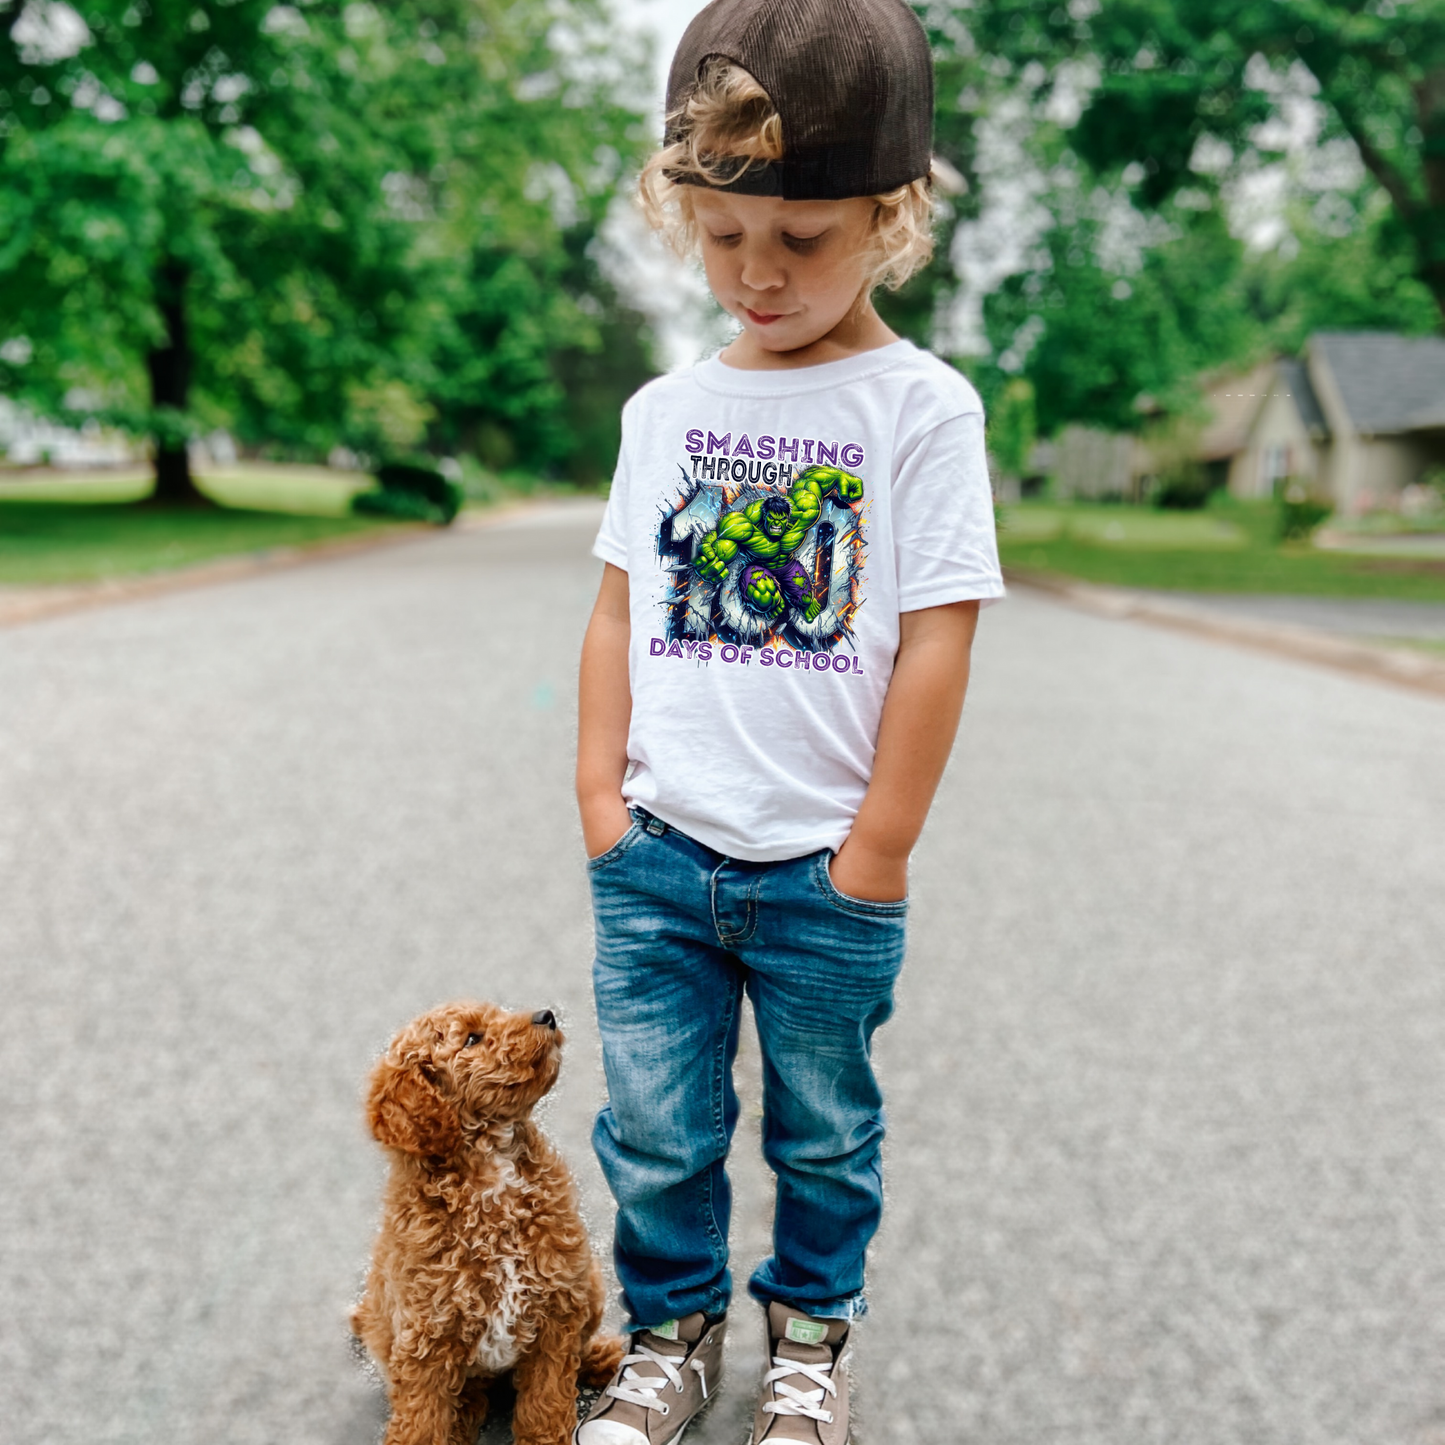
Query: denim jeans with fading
{"x": 682, "y": 931}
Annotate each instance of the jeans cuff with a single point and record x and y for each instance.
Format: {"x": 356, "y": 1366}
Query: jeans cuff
{"x": 853, "y": 1307}
{"x": 713, "y": 1309}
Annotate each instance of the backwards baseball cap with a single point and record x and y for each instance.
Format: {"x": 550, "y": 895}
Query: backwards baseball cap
{"x": 851, "y": 80}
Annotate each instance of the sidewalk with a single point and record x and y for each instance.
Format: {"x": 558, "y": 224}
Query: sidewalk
{"x": 1380, "y": 620}
{"x": 29, "y": 604}
{"x": 1353, "y": 634}
{"x": 19, "y": 605}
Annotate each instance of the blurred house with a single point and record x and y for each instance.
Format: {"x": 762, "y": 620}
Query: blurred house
{"x": 1248, "y": 415}
{"x": 1357, "y": 419}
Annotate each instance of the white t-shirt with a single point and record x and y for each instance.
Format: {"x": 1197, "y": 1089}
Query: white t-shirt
{"x": 773, "y": 525}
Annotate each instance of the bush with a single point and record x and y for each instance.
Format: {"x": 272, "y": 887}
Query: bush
{"x": 1185, "y": 490}
{"x": 411, "y": 494}
{"x": 1299, "y": 516}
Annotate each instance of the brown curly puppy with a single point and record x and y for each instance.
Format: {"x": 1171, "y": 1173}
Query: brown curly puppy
{"x": 482, "y": 1264}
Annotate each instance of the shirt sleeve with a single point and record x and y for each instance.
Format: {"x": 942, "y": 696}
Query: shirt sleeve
{"x": 943, "y": 528}
{"x": 611, "y": 543}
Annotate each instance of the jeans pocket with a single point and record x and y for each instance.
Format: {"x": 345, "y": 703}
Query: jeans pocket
{"x": 617, "y": 849}
{"x": 861, "y": 907}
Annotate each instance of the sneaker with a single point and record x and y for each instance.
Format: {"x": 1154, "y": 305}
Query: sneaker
{"x": 669, "y": 1375}
{"x": 805, "y": 1392}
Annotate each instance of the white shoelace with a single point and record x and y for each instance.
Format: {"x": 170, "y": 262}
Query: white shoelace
{"x": 642, "y": 1389}
{"x": 799, "y": 1402}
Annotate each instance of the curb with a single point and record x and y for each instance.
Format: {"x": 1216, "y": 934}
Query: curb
{"x": 19, "y": 605}
{"x": 1395, "y": 665}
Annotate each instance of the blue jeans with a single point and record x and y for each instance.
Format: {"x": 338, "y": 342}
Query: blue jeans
{"x": 681, "y": 932}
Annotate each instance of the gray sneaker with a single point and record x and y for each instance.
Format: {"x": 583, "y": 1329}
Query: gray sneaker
{"x": 805, "y": 1391}
{"x": 669, "y": 1374}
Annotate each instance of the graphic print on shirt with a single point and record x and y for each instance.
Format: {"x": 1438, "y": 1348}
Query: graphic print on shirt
{"x": 768, "y": 556}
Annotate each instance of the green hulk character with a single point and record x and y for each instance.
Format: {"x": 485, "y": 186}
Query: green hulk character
{"x": 768, "y": 532}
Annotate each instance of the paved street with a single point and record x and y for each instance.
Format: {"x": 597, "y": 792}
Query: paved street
{"x": 1166, "y": 1082}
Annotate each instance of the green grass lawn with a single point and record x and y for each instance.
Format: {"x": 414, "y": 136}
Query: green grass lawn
{"x": 1230, "y": 547}
{"x": 80, "y": 527}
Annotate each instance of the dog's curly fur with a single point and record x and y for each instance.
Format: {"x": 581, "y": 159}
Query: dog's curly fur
{"x": 482, "y": 1264}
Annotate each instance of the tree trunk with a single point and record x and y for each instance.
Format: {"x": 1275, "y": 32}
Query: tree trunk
{"x": 169, "y": 365}
{"x": 1430, "y": 120}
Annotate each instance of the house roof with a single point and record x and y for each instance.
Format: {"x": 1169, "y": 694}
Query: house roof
{"x": 1234, "y": 401}
{"x": 1387, "y": 383}
{"x": 1296, "y": 381}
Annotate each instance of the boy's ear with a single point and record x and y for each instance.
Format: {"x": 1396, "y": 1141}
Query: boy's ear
{"x": 406, "y": 1111}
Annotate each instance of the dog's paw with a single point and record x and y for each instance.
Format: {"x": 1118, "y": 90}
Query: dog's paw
{"x": 601, "y": 1357}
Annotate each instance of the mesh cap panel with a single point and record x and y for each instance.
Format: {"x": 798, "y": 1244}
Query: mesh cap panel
{"x": 852, "y": 81}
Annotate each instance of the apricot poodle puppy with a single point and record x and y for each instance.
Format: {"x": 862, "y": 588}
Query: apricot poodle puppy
{"x": 482, "y": 1264}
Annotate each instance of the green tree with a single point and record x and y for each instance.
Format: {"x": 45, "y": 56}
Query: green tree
{"x": 598, "y": 377}
{"x": 536, "y": 358}
{"x": 1173, "y": 77}
{"x": 274, "y": 217}
{"x": 1013, "y": 426}
{"x": 1105, "y": 348}
{"x": 1351, "y": 268}
{"x": 916, "y": 308}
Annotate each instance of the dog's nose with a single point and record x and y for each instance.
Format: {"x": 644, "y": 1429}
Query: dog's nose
{"x": 545, "y": 1017}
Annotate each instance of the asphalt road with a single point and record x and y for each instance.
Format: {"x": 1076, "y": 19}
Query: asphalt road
{"x": 1166, "y": 1079}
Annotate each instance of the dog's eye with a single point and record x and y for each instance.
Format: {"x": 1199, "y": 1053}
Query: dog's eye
{"x": 473, "y": 1040}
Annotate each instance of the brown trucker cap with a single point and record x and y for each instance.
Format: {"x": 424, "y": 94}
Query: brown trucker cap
{"x": 852, "y": 82}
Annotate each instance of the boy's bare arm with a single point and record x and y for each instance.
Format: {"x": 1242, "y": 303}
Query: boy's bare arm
{"x": 604, "y": 710}
{"x": 915, "y": 736}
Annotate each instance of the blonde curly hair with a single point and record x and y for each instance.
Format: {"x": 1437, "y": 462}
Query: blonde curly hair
{"x": 730, "y": 119}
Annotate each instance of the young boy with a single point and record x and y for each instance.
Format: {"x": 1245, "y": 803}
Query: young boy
{"x": 799, "y": 536}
